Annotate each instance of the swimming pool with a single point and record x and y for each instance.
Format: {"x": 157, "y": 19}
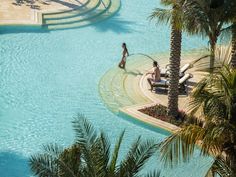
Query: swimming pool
{"x": 47, "y": 77}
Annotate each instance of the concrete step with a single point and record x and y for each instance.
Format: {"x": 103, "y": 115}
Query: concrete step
{"x": 88, "y": 5}
{"x": 107, "y": 94}
{"x": 81, "y": 15}
{"x": 91, "y": 19}
{"x": 119, "y": 88}
{"x": 132, "y": 89}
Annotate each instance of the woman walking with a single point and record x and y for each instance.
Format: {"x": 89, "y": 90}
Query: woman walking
{"x": 125, "y": 54}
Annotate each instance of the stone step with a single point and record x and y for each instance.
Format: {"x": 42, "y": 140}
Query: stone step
{"x": 132, "y": 89}
{"x": 83, "y": 15}
{"x": 111, "y": 10}
{"x": 106, "y": 92}
{"x": 86, "y": 7}
{"x": 111, "y": 89}
{"x": 119, "y": 88}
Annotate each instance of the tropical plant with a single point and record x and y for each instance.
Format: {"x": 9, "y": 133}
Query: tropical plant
{"x": 174, "y": 16}
{"x": 231, "y": 20}
{"x": 213, "y": 103}
{"x": 91, "y": 156}
{"x": 206, "y": 18}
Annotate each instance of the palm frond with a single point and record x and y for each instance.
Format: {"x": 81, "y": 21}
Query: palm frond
{"x": 200, "y": 59}
{"x": 168, "y": 2}
{"x": 112, "y": 165}
{"x": 222, "y": 57}
{"x": 86, "y": 138}
{"x": 226, "y": 34}
{"x": 219, "y": 168}
{"x": 53, "y": 149}
{"x": 196, "y": 19}
{"x": 45, "y": 164}
{"x": 180, "y": 146}
{"x": 105, "y": 149}
{"x": 161, "y": 15}
{"x": 153, "y": 174}
{"x": 214, "y": 93}
{"x": 90, "y": 156}
{"x": 69, "y": 162}
{"x": 138, "y": 155}
{"x": 85, "y": 132}
{"x": 100, "y": 154}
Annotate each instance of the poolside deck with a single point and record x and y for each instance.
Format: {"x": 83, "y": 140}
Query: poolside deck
{"x": 23, "y": 12}
{"x": 56, "y": 14}
{"x": 127, "y": 90}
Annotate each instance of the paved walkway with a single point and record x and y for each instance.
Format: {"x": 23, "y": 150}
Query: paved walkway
{"x": 25, "y": 11}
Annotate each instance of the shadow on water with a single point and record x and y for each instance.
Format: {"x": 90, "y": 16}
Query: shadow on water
{"x": 13, "y": 165}
{"x": 115, "y": 24}
{"x": 143, "y": 124}
{"x": 22, "y": 29}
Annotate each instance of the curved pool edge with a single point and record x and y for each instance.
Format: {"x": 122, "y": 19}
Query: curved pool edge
{"x": 131, "y": 112}
{"x": 134, "y": 115}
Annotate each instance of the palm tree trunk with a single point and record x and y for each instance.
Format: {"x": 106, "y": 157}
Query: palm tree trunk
{"x": 212, "y": 54}
{"x": 175, "y": 54}
{"x": 233, "y": 54}
{"x": 230, "y": 152}
{"x": 231, "y": 162}
{"x": 232, "y": 156}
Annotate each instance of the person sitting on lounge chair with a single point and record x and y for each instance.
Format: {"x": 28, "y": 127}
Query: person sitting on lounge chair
{"x": 155, "y": 75}
{"x": 182, "y": 83}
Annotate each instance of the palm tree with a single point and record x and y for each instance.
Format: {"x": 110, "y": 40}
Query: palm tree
{"x": 231, "y": 15}
{"x": 233, "y": 56}
{"x": 91, "y": 156}
{"x": 174, "y": 16}
{"x": 206, "y": 18}
{"x": 215, "y": 127}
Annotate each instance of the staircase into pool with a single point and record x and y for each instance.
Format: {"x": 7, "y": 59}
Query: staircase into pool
{"x": 91, "y": 12}
{"x": 120, "y": 88}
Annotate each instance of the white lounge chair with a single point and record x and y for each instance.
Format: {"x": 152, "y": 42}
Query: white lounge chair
{"x": 182, "y": 83}
{"x": 165, "y": 72}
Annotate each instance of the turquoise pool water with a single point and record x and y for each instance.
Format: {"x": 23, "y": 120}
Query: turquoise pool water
{"x": 48, "y": 77}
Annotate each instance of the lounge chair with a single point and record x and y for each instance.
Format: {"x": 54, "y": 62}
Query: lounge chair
{"x": 182, "y": 83}
{"x": 165, "y": 72}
